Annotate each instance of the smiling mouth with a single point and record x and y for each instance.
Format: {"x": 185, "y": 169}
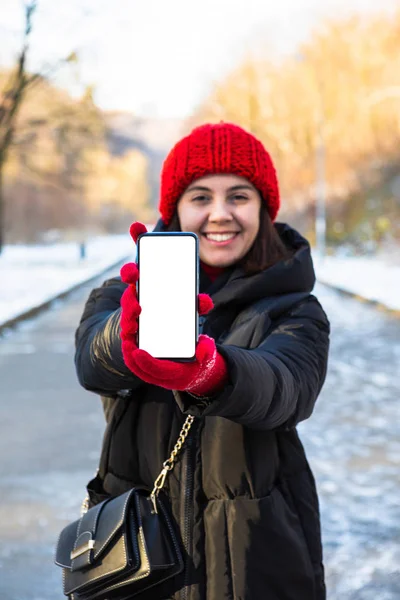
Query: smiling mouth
{"x": 221, "y": 237}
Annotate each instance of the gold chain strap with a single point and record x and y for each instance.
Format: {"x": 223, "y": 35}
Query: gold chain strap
{"x": 169, "y": 464}
{"x": 85, "y": 505}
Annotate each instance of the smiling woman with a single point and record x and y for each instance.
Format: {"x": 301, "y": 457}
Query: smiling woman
{"x": 242, "y": 493}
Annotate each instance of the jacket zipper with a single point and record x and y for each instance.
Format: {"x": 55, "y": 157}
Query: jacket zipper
{"x": 187, "y": 513}
{"x": 187, "y": 500}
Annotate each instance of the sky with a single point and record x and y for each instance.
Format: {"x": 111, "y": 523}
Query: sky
{"x": 161, "y": 57}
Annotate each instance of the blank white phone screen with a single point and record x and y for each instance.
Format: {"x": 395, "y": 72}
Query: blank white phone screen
{"x": 168, "y": 295}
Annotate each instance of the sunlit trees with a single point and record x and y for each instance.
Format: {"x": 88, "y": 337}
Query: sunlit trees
{"x": 61, "y": 174}
{"x": 56, "y": 169}
{"x": 338, "y": 87}
{"x": 15, "y": 87}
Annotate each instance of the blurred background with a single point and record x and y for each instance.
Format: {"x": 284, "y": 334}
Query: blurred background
{"x": 93, "y": 94}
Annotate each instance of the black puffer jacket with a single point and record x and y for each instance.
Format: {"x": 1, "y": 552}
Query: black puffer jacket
{"x": 242, "y": 492}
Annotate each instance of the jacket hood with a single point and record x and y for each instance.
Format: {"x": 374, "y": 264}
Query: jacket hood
{"x": 295, "y": 275}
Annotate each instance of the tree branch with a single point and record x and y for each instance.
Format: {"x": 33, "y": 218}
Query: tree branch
{"x": 15, "y": 89}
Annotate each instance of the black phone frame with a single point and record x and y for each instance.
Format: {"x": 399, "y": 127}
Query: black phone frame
{"x": 197, "y": 275}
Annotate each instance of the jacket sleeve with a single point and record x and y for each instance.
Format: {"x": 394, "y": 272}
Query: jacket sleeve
{"x": 98, "y": 357}
{"x": 276, "y": 384}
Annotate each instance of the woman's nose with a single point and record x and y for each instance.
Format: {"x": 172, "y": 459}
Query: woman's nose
{"x": 219, "y": 211}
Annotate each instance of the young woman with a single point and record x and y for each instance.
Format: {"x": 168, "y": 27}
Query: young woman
{"x": 242, "y": 491}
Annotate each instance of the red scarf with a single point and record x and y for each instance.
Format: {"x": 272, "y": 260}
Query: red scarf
{"x": 212, "y": 272}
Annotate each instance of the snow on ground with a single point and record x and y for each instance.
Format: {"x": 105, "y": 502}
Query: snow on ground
{"x": 352, "y": 441}
{"x": 32, "y": 275}
{"x": 376, "y": 279}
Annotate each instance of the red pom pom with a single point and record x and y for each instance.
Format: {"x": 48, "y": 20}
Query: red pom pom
{"x": 137, "y": 229}
{"x": 129, "y": 273}
{"x": 205, "y": 304}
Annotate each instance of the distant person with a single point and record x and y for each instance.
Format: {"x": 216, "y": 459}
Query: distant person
{"x": 242, "y": 491}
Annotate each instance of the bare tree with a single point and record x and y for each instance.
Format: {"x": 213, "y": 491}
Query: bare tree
{"x": 12, "y": 98}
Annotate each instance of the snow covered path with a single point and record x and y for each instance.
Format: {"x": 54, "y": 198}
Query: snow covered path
{"x": 353, "y": 444}
{"x": 375, "y": 279}
{"x": 32, "y": 275}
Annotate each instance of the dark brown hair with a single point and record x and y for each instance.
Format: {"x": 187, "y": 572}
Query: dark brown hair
{"x": 267, "y": 248}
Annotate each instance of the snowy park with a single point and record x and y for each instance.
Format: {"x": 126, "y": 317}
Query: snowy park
{"x": 37, "y": 274}
{"x": 252, "y": 130}
{"x": 352, "y": 439}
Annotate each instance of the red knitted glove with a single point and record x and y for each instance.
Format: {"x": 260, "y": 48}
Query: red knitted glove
{"x": 205, "y": 375}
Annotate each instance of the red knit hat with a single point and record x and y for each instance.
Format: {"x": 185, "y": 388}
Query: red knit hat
{"x": 213, "y": 149}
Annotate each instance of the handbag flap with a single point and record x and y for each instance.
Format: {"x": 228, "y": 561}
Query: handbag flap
{"x": 83, "y": 542}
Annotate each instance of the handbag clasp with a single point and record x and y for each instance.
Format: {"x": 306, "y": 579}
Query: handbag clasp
{"x": 82, "y": 549}
{"x": 159, "y": 484}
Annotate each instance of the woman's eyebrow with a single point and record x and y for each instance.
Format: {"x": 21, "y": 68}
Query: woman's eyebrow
{"x": 203, "y": 188}
{"x": 198, "y": 188}
{"x": 241, "y": 187}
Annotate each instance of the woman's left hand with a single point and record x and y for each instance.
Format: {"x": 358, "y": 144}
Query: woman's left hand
{"x": 206, "y": 374}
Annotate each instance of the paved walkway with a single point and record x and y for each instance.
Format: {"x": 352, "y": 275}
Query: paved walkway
{"x": 50, "y": 436}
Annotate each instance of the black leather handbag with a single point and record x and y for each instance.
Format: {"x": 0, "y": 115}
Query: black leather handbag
{"x": 124, "y": 545}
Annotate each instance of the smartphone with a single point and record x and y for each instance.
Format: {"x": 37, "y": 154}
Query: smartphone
{"x": 168, "y": 287}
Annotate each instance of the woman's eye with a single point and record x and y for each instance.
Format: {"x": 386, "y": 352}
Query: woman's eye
{"x": 239, "y": 198}
{"x": 200, "y": 199}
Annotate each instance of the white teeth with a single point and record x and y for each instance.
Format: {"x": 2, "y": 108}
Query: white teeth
{"x": 220, "y": 237}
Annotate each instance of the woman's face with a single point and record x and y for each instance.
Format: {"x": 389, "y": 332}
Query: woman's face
{"x": 224, "y": 212}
